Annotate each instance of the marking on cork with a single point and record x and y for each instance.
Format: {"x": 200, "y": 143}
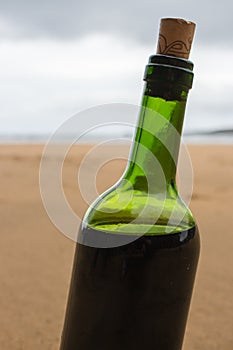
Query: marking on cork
{"x": 175, "y": 48}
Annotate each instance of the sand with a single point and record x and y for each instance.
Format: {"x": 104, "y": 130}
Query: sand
{"x": 36, "y": 259}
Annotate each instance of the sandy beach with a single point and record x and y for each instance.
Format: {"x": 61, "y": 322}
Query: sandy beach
{"x": 36, "y": 259}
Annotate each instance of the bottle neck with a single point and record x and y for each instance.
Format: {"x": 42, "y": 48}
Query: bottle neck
{"x": 154, "y": 154}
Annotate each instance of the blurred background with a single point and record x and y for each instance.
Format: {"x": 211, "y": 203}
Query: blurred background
{"x": 62, "y": 57}
{"x": 58, "y": 58}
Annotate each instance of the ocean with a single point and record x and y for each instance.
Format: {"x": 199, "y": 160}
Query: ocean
{"x": 221, "y": 136}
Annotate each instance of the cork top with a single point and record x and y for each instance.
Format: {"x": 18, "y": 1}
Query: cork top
{"x": 175, "y": 37}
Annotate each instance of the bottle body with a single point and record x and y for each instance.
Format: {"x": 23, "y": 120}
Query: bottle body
{"x": 138, "y": 249}
{"x": 134, "y": 296}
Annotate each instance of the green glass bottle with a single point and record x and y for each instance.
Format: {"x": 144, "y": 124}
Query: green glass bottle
{"x": 135, "y": 263}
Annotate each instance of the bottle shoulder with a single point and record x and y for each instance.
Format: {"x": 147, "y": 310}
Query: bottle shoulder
{"x": 125, "y": 209}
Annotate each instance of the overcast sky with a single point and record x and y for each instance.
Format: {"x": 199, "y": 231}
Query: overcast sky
{"x": 62, "y": 19}
{"x": 58, "y": 57}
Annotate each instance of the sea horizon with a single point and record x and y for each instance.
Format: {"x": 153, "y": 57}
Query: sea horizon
{"x": 215, "y": 136}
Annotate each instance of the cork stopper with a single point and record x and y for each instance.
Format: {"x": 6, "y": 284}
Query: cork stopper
{"x": 175, "y": 37}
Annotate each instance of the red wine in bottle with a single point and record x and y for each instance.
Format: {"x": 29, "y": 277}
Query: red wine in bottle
{"x": 134, "y": 296}
{"x": 138, "y": 245}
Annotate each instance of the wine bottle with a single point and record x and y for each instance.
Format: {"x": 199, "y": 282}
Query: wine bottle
{"x": 138, "y": 246}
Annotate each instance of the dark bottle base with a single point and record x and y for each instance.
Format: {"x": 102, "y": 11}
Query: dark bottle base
{"x": 131, "y": 297}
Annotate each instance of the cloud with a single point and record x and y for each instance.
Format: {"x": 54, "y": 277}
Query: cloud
{"x": 45, "y": 81}
{"x": 136, "y": 20}
{"x": 58, "y": 57}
